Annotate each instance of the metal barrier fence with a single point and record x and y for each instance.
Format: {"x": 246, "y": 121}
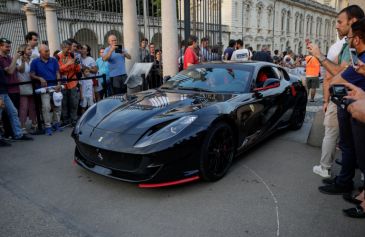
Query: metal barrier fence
{"x": 36, "y": 95}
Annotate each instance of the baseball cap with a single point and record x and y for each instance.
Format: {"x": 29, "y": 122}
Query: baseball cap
{"x": 5, "y": 40}
{"x": 57, "y": 98}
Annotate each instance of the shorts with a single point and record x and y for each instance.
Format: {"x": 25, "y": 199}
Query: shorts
{"x": 312, "y": 82}
{"x": 87, "y": 102}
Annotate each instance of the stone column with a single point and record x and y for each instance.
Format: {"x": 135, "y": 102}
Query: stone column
{"x": 30, "y": 12}
{"x": 50, "y": 7}
{"x": 169, "y": 37}
{"x": 130, "y": 31}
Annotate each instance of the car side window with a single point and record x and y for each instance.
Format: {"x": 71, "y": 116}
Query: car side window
{"x": 264, "y": 74}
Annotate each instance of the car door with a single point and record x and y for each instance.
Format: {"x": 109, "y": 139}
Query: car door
{"x": 253, "y": 115}
{"x": 266, "y": 104}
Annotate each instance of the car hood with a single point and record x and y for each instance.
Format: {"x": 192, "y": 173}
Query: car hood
{"x": 146, "y": 109}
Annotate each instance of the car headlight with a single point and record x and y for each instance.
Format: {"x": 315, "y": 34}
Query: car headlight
{"x": 167, "y": 132}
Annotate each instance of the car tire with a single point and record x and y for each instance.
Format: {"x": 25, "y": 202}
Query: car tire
{"x": 217, "y": 152}
{"x": 298, "y": 116}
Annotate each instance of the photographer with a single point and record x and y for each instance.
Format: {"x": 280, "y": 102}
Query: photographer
{"x": 69, "y": 68}
{"x": 115, "y": 55}
{"x": 352, "y": 132}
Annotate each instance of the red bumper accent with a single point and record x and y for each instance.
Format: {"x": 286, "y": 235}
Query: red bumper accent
{"x": 159, "y": 185}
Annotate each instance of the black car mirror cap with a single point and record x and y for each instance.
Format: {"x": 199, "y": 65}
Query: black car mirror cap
{"x": 166, "y": 78}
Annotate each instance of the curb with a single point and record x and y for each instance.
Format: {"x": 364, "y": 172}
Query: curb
{"x": 316, "y": 133}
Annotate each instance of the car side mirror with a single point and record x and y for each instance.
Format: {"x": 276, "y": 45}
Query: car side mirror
{"x": 271, "y": 83}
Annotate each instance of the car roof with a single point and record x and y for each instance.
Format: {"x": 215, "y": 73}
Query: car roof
{"x": 237, "y": 63}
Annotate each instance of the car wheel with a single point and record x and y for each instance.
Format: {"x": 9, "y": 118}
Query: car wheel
{"x": 298, "y": 116}
{"x": 217, "y": 152}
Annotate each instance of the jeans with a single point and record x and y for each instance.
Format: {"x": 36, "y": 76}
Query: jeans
{"x": 358, "y": 131}
{"x": 347, "y": 146}
{"x": 13, "y": 115}
{"x": 8, "y": 131}
{"x": 48, "y": 116}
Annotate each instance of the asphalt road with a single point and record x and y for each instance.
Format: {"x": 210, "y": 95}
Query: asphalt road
{"x": 270, "y": 191}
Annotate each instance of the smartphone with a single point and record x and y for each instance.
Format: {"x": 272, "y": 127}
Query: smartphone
{"x": 119, "y": 49}
{"x": 354, "y": 58}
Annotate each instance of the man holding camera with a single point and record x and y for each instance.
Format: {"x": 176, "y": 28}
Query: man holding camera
{"x": 69, "y": 68}
{"x": 115, "y": 55}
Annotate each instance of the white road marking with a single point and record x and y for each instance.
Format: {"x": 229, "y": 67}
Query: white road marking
{"x": 273, "y": 197}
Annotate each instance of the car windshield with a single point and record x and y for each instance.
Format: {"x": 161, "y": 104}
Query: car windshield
{"x": 214, "y": 79}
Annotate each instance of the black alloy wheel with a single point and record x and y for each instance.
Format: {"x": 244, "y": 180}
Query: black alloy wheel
{"x": 298, "y": 116}
{"x": 217, "y": 152}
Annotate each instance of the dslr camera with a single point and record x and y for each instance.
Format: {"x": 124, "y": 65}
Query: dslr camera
{"x": 338, "y": 92}
{"x": 119, "y": 49}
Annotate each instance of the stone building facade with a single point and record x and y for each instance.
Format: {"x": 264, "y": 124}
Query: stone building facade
{"x": 282, "y": 24}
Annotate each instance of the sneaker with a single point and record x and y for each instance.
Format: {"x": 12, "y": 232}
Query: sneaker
{"x": 334, "y": 189}
{"x": 48, "y": 131}
{"x": 56, "y": 127}
{"x": 24, "y": 131}
{"x": 318, "y": 169}
{"x": 4, "y": 143}
{"x": 24, "y": 138}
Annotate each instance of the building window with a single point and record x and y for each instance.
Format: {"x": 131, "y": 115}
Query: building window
{"x": 259, "y": 7}
{"x": 282, "y": 20}
{"x": 288, "y": 23}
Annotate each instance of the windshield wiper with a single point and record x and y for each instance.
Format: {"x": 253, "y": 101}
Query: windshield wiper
{"x": 193, "y": 89}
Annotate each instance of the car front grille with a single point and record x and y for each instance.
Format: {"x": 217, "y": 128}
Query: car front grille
{"x": 110, "y": 159}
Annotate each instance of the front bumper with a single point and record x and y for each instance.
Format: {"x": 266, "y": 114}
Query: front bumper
{"x": 179, "y": 162}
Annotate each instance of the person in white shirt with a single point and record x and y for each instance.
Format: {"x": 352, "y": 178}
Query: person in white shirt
{"x": 87, "y": 94}
{"x": 32, "y": 40}
{"x": 27, "y": 105}
{"x": 240, "y": 54}
{"x": 87, "y": 62}
{"x": 330, "y": 122}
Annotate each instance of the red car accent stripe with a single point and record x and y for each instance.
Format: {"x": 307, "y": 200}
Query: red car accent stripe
{"x": 158, "y": 185}
{"x": 293, "y": 91}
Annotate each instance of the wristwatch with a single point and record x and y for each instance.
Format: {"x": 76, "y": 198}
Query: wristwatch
{"x": 322, "y": 58}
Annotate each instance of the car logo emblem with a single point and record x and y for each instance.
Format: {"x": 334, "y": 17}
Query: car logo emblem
{"x": 100, "y": 156}
{"x": 100, "y": 139}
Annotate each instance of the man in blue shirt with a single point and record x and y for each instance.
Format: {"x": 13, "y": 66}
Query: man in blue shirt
{"x": 46, "y": 70}
{"x": 115, "y": 55}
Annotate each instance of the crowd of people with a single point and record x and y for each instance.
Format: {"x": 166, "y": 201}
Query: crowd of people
{"x": 68, "y": 82}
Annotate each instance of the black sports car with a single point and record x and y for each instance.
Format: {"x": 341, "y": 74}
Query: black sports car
{"x": 192, "y": 126}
